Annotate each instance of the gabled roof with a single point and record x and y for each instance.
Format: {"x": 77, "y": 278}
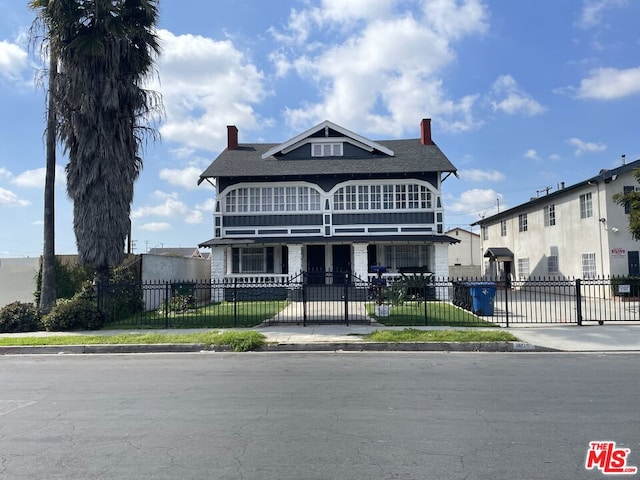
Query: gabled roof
{"x": 305, "y": 136}
{"x": 260, "y": 159}
{"x": 604, "y": 176}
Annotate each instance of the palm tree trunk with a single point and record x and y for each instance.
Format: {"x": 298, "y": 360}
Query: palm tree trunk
{"x": 48, "y": 282}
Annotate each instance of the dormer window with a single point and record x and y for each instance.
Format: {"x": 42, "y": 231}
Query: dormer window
{"x": 326, "y": 149}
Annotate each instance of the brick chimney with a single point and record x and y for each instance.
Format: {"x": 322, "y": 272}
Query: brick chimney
{"x": 425, "y": 132}
{"x": 232, "y": 137}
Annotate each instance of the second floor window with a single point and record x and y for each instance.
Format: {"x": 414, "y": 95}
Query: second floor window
{"x": 383, "y": 197}
{"x": 522, "y": 222}
{"x": 503, "y": 228}
{"x": 272, "y": 199}
{"x": 549, "y": 215}
{"x": 586, "y": 210}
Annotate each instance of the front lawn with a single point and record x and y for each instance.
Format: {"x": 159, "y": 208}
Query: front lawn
{"x": 214, "y": 315}
{"x": 437, "y": 314}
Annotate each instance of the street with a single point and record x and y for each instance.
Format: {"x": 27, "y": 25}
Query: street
{"x": 385, "y": 415}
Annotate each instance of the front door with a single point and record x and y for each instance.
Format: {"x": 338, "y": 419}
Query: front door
{"x": 341, "y": 262}
{"x": 634, "y": 264}
{"x": 315, "y": 264}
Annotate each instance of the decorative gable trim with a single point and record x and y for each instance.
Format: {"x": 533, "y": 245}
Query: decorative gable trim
{"x": 349, "y": 136}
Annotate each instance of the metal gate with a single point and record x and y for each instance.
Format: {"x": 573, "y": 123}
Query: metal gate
{"x": 325, "y": 298}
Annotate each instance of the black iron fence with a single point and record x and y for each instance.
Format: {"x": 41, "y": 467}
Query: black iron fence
{"x": 346, "y": 299}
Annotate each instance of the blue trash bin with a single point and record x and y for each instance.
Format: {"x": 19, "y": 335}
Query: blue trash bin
{"x": 483, "y": 295}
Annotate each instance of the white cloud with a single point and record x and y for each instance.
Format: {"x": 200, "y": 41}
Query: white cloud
{"x": 13, "y": 60}
{"x": 35, "y": 178}
{"x": 475, "y": 175}
{"x": 206, "y": 85}
{"x": 592, "y": 11}
{"x": 585, "y": 147}
{"x": 155, "y": 227}
{"x": 532, "y": 154}
{"x": 8, "y": 198}
{"x": 477, "y": 202}
{"x": 194, "y": 217}
{"x": 610, "y": 83}
{"x": 554, "y": 156}
{"x": 170, "y": 207}
{"x": 512, "y": 100}
{"x": 378, "y": 76}
{"x": 186, "y": 177}
{"x": 208, "y": 205}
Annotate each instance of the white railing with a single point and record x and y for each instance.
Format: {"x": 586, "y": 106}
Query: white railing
{"x": 250, "y": 279}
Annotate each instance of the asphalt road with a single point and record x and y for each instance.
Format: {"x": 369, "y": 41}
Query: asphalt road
{"x": 384, "y": 415}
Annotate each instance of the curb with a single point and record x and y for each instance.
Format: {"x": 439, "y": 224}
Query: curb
{"x": 277, "y": 347}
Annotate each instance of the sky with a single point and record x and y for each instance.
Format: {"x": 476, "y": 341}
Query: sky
{"x": 522, "y": 96}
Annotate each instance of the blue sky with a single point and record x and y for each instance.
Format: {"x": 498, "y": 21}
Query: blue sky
{"x": 522, "y": 96}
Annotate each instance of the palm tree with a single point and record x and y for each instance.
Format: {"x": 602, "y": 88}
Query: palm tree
{"x": 105, "y": 50}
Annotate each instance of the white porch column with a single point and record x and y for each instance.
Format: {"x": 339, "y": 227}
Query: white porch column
{"x": 218, "y": 271}
{"x": 295, "y": 260}
{"x": 441, "y": 269}
{"x": 360, "y": 260}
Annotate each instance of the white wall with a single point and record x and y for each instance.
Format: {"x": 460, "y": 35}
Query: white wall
{"x": 18, "y": 279}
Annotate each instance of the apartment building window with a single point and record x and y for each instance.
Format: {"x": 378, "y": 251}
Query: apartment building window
{"x": 627, "y": 205}
{"x": 549, "y": 215}
{"x": 589, "y": 265}
{"x": 485, "y": 233}
{"x": 523, "y": 268}
{"x": 522, "y": 222}
{"x": 503, "y": 228}
{"x": 586, "y": 209}
{"x": 552, "y": 264}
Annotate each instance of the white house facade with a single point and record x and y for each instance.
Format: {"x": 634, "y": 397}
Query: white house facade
{"x": 465, "y": 257}
{"x": 328, "y": 201}
{"x": 577, "y": 231}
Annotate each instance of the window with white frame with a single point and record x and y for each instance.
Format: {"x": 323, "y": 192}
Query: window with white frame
{"x": 586, "y": 209}
{"x": 552, "y": 264}
{"x": 273, "y": 199}
{"x": 485, "y": 233}
{"x": 522, "y": 222}
{"x": 382, "y": 197}
{"x": 326, "y": 150}
{"x": 503, "y": 228}
{"x": 588, "y": 265}
{"x": 523, "y": 268}
{"x": 549, "y": 215}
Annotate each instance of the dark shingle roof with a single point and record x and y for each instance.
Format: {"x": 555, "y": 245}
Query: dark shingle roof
{"x": 410, "y": 156}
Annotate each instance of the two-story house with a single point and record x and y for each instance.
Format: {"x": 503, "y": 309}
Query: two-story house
{"x": 576, "y": 231}
{"x": 328, "y": 200}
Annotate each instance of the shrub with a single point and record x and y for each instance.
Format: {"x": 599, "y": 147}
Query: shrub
{"x": 19, "y": 317}
{"x": 77, "y": 313}
{"x": 124, "y": 296}
{"x": 69, "y": 279}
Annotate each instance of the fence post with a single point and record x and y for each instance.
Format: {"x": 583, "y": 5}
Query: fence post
{"x": 304, "y": 299}
{"x": 424, "y": 299}
{"x": 235, "y": 302}
{"x": 167, "y": 292}
{"x": 346, "y": 299}
{"x": 578, "y": 302}
{"x": 506, "y": 302}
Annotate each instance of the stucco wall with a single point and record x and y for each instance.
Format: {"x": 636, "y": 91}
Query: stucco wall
{"x": 18, "y": 279}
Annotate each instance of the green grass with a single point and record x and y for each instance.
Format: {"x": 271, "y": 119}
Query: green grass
{"x": 215, "y": 315}
{"x": 439, "y": 314}
{"x": 239, "y": 341}
{"x": 422, "y": 336}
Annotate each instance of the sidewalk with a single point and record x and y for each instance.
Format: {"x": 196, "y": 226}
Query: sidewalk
{"x": 589, "y": 338}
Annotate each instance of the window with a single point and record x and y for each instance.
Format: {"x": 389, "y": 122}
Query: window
{"x": 627, "y": 205}
{"x": 243, "y": 199}
{"x": 552, "y": 264}
{"x": 586, "y": 210}
{"x": 350, "y": 197}
{"x": 338, "y": 199}
{"x": 401, "y": 196}
{"x": 503, "y": 228}
{"x": 522, "y": 222}
{"x": 485, "y": 233}
{"x": 267, "y": 199}
{"x": 523, "y": 268}
{"x": 291, "y": 199}
{"x": 326, "y": 150}
{"x": 588, "y": 265}
{"x": 549, "y": 215}
{"x": 383, "y": 197}
{"x": 231, "y": 201}
{"x": 398, "y": 256}
{"x": 252, "y": 260}
{"x": 376, "y": 197}
{"x": 278, "y": 199}
{"x": 363, "y": 197}
{"x": 387, "y": 197}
